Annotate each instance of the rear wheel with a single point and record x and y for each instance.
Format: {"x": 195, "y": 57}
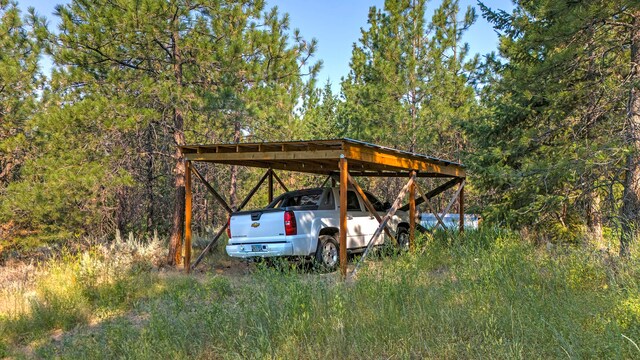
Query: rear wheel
{"x": 327, "y": 253}
{"x": 403, "y": 238}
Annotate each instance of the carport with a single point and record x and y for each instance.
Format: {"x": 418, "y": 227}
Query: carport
{"x": 340, "y": 160}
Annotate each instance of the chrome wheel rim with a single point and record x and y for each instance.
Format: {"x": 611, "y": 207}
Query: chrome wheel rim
{"x": 403, "y": 240}
{"x": 329, "y": 254}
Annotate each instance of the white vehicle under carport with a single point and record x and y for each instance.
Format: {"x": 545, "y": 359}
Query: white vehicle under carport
{"x": 305, "y": 223}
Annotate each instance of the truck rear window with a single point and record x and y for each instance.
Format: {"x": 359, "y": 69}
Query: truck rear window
{"x": 302, "y": 200}
{"x": 306, "y": 200}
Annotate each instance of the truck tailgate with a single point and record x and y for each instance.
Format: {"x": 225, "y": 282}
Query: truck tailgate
{"x": 266, "y": 225}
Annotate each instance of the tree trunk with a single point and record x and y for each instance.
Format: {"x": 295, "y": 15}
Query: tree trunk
{"x": 149, "y": 182}
{"x": 175, "y": 244}
{"x": 594, "y": 218}
{"x": 630, "y": 212}
{"x": 233, "y": 191}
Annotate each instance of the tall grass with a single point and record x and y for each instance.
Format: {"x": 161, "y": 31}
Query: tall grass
{"x": 486, "y": 294}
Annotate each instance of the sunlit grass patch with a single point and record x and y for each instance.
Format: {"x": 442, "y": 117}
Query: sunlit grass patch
{"x": 485, "y": 294}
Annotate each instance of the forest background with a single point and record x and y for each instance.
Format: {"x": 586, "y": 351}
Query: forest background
{"x": 548, "y": 125}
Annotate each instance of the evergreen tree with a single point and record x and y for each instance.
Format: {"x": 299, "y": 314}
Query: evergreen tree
{"x": 411, "y": 76}
{"x": 19, "y": 83}
{"x": 320, "y": 115}
{"x": 549, "y": 147}
{"x": 135, "y": 79}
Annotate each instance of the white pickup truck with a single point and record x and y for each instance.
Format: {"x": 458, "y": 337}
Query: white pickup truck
{"x": 305, "y": 223}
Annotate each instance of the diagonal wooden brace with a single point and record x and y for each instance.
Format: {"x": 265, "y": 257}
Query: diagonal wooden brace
{"x": 284, "y": 187}
{"x": 387, "y": 217}
{"x": 370, "y": 207}
{"x": 224, "y": 227}
{"x": 211, "y": 190}
{"x": 433, "y": 193}
{"x": 453, "y": 199}
{"x": 431, "y": 208}
{"x": 211, "y": 244}
{"x": 325, "y": 181}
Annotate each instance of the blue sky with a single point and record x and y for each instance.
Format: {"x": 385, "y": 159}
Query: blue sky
{"x": 336, "y": 25}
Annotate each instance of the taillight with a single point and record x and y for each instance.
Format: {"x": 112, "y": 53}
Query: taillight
{"x": 229, "y": 228}
{"x": 290, "y": 226}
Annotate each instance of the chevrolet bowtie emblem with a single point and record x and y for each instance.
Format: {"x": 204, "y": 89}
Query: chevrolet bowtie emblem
{"x": 255, "y": 224}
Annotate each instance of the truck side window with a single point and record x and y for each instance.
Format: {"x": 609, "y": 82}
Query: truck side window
{"x": 377, "y": 205}
{"x": 352, "y": 201}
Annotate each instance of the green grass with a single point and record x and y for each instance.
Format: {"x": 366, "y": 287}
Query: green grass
{"x": 489, "y": 294}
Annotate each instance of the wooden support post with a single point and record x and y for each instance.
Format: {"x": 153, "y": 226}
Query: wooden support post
{"x": 270, "y": 186}
{"x": 187, "y": 216}
{"x": 343, "y": 216}
{"x": 370, "y": 207}
{"x": 412, "y": 212}
{"x": 461, "y": 206}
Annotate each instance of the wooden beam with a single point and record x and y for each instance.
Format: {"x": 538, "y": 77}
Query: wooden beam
{"x": 453, "y": 199}
{"x": 378, "y": 156}
{"x": 211, "y": 244}
{"x": 343, "y": 216}
{"x": 370, "y": 207}
{"x": 431, "y": 208}
{"x": 253, "y": 191}
{"x": 270, "y": 186}
{"x": 437, "y": 191}
{"x": 389, "y": 215}
{"x": 187, "y": 216}
{"x": 267, "y": 155}
{"x": 213, "y": 192}
{"x": 461, "y": 206}
{"x": 224, "y": 227}
{"x": 284, "y": 187}
{"x": 412, "y": 212}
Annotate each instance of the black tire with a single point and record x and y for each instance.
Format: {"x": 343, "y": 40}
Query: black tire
{"x": 402, "y": 235}
{"x": 327, "y": 256}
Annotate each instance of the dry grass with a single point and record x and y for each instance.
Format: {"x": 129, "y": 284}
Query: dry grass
{"x": 490, "y": 294}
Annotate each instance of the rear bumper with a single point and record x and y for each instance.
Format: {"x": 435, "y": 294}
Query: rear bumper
{"x": 265, "y": 250}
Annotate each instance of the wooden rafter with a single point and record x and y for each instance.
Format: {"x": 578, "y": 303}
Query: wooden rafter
{"x": 322, "y": 156}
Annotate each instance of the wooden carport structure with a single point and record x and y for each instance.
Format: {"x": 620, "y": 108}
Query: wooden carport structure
{"x": 339, "y": 159}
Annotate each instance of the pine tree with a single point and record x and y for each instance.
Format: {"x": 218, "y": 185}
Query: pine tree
{"x": 320, "y": 116}
{"x": 181, "y": 67}
{"x": 19, "y": 82}
{"x": 550, "y": 145}
{"x": 411, "y": 76}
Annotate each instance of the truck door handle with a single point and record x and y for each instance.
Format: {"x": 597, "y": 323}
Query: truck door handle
{"x": 349, "y": 217}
